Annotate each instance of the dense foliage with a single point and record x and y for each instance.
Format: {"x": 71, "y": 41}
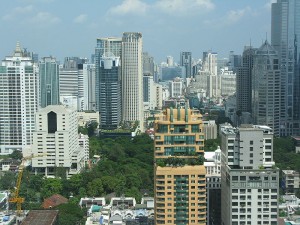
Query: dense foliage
{"x": 211, "y": 145}
{"x": 285, "y": 155}
{"x": 125, "y": 167}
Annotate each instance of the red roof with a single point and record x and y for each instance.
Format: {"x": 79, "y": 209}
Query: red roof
{"x": 53, "y": 201}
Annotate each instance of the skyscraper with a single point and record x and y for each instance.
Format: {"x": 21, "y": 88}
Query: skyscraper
{"x": 244, "y": 81}
{"x": 18, "y": 101}
{"x": 179, "y": 181}
{"x": 71, "y": 82}
{"x": 266, "y": 87}
{"x": 186, "y": 61}
{"x": 109, "y": 100}
{"x": 89, "y": 84}
{"x": 249, "y": 181}
{"x": 132, "y": 78}
{"x": 210, "y": 65}
{"x": 49, "y": 81}
{"x": 285, "y": 37}
{"x": 110, "y": 45}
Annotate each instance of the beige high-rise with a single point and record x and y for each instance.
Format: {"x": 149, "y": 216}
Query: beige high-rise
{"x": 132, "y": 78}
{"x": 180, "y": 193}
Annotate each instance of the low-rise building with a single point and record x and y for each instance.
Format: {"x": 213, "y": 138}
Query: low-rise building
{"x": 291, "y": 181}
{"x": 87, "y": 117}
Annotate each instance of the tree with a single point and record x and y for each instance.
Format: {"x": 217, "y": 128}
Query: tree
{"x": 7, "y": 181}
{"x": 95, "y": 188}
{"x": 211, "y": 145}
{"x": 70, "y": 214}
{"x": 16, "y": 155}
{"x": 51, "y": 186}
{"x": 91, "y": 127}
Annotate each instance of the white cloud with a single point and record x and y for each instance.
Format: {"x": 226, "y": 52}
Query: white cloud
{"x": 81, "y": 18}
{"x": 44, "y": 18}
{"x": 231, "y": 17}
{"x": 184, "y": 6}
{"x": 17, "y": 12}
{"x": 129, "y": 7}
{"x": 234, "y": 16}
{"x": 174, "y": 7}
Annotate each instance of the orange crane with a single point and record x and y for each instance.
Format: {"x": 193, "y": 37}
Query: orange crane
{"x": 16, "y": 198}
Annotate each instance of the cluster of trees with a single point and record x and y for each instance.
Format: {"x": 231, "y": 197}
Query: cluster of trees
{"x": 125, "y": 167}
{"x": 284, "y": 154}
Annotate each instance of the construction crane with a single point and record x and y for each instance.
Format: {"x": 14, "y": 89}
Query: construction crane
{"x": 16, "y": 198}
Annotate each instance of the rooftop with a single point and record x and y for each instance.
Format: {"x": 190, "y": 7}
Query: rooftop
{"x": 41, "y": 217}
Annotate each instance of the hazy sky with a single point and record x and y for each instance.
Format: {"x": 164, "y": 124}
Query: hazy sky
{"x": 70, "y": 27}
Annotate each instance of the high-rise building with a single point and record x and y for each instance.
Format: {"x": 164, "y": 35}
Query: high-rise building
{"x": 227, "y": 82}
{"x": 266, "y": 87}
{"x": 186, "y": 62}
{"x": 148, "y": 76}
{"x": 180, "y": 194}
{"x": 89, "y": 84}
{"x": 71, "y": 82}
{"x": 111, "y": 45}
{"x": 56, "y": 135}
{"x": 249, "y": 179}
{"x": 210, "y": 66}
{"x": 49, "y": 81}
{"x": 109, "y": 99}
{"x": 170, "y": 61}
{"x": 176, "y": 87}
{"x": 18, "y": 101}
{"x": 285, "y": 37}
{"x": 234, "y": 61}
{"x": 244, "y": 81}
{"x": 132, "y": 78}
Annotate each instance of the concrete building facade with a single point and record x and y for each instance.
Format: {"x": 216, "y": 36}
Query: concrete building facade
{"x": 56, "y": 135}
{"x": 249, "y": 178}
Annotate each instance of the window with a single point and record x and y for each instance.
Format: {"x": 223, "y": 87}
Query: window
{"x": 251, "y": 142}
{"x": 235, "y": 178}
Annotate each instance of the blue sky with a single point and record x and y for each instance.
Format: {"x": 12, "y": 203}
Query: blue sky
{"x": 70, "y": 27}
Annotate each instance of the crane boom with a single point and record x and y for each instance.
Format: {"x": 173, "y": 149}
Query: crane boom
{"x": 16, "y": 198}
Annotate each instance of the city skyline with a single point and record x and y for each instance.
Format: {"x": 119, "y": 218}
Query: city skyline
{"x": 168, "y": 27}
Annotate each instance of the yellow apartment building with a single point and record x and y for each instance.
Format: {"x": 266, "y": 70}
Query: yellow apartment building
{"x": 180, "y": 193}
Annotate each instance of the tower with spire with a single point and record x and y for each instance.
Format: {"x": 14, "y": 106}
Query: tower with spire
{"x": 18, "y": 101}
{"x": 266, "y": 87}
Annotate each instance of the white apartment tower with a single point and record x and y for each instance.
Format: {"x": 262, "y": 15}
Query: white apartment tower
{"x": 176, "y": 87}
{"x": 56, "y": 136}
{"x": 249, "y": 179}
{"x": 132, "y": 78}
{"x": 18, "y": 101}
